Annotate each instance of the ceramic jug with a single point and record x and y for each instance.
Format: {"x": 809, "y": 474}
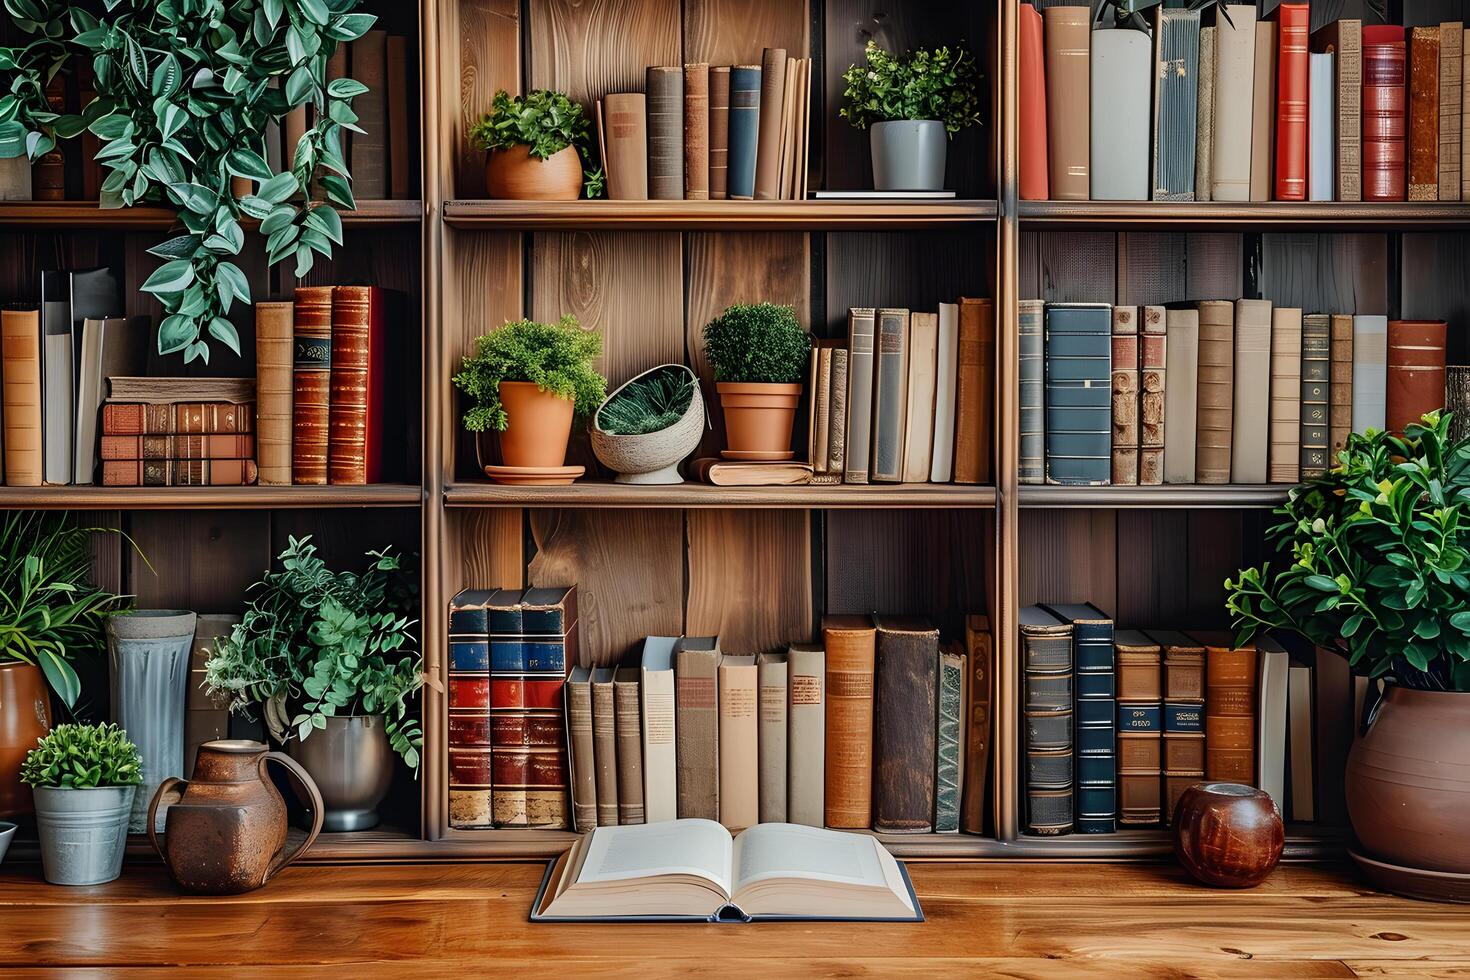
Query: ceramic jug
{"x": 225, "y": 829}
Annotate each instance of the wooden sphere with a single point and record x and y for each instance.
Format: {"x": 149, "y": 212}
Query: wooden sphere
{"x": 1227, "y": 834}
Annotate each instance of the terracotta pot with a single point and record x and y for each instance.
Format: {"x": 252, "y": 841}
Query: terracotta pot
{"x": 539, "y": 426}
{"x": 1408, "y": 781}
{"x": 515, "y": 175}
{"x": 225, "y": 828}
{"x": 25, "y": 716}
{"x": 758, "y": 417}
{"x": 1228, "y": 834}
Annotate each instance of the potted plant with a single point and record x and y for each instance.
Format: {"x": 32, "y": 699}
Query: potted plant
{"x": 759, "y": 354}
{"x": 911, "y": 104}
{"x": 528, "y": 381}
{"x": 647, "y": 426}
{"x": 84, "y": 778}
{"x": 329, "y": 657}
{"x": 538, "y": 146}
{"x": 1380, "y": 571}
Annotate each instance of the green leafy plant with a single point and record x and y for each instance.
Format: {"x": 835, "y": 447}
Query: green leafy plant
{"x": 83, "y": 757}
{"x": 942, "y": 84}
{"x": 186, "y": 90}
{"x": 761, "y": 344}
{"x": 545, "y": 122}
{"x": 315, "y": 644}
{"x": 556, "y": 357}
{"x": 49, "y": 610}
{"x": 1380, "y": 568}
{"x": 651, "y": 403}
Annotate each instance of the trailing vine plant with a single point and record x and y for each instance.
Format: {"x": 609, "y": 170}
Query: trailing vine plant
{"x": 185, "y": 92}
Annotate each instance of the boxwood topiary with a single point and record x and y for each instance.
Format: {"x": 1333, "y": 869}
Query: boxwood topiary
{"x": 759, "y": 344}
{"x": 83, "y": 757}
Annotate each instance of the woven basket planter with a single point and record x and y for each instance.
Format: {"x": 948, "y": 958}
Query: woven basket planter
{"x": 653, "y": 457}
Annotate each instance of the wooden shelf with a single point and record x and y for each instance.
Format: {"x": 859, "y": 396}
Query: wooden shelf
{"x": 208, "y": 498}
{"x": 1277, "y": 214}
{"x": 729, "y": 215}
{"x": 1195, "y": 496}
{"x": 1305, "y": 842}
{"x": 86, "y": 214}
{"x": 593, "y": 493}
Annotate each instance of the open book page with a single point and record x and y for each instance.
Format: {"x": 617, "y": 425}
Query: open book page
{"x": 701, "y": 848}
{"x": 797, "y": 853}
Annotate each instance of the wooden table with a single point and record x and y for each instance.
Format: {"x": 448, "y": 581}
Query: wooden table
{"x": 463, "y": 921}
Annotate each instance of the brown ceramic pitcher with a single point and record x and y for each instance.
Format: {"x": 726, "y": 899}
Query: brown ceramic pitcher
{"x": 225, "y": 829}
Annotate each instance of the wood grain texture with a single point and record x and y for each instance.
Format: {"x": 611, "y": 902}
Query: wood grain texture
{"x": 489, "y": 42}
{"x": 1076, "y": 267}
{"x": 750, "y": 578}
{"x": 485, "y": 290}
{"x": 1343, "y": 273}
{"x": 1153, "y": 588}
{"x": 912, "y": 270}
{"x": 1068, "y": 557}
{"x": 1151, "y": 268}
{"x": 733, "y": 32}
{"x": 485, "y": 550}
{"x": 200, "y": 561}
{"x": 588, "y": 48}
{"x": 1214, "y": 265}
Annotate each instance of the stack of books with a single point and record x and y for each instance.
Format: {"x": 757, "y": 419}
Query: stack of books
{"x": 179, "y": 432}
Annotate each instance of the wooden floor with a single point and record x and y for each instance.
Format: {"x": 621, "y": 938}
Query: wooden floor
{"x": 469, "y": 921}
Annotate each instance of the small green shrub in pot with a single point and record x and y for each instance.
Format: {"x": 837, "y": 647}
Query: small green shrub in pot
{"x": 84, "y": 778}
{"x": 759, "y": 354}
{"x": 540, "y": 148}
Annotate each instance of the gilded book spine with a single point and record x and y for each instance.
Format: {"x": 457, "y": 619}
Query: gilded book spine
{"x": 850, "y": 643}
{"x": 1152, "y": 358}
{"x": 1125, "y": 395}
{"x": 311, "y": 397}
{"x": 1316, "y": 398}
{"x": 1340, "y": 394}
{"x": 696, "y": 132}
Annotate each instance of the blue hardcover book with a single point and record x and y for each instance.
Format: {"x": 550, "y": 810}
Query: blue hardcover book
{"x": 548, "y": 654}
{"x": 1140, "y": 717}
{"x": 469, "y": 654}
{"x": 503, "y": 612}
{"x": 745, "y": 117}
{"x": 468, "y": 615}
{"x": 1184, "y": 718}
{"x": 1096, "y": 716}
{"x": 1079, "y": 393}
{"x": 548, "y": 612}
{"x": 1176, "y": 99}
{"x": 507, "y": 654}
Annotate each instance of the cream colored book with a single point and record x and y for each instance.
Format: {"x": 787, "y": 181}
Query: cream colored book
{"x": 918, "y": 439}
{"x": 656, "y": 687}
{"x": 739, "y": 735}
{"x": 694, "y": 870}
{"x": 1181, "y": 368}
{"x": 1285, "y": 461}
{"x": 806, "y": 731}
{"x": 1263, "y": 112}
{"x": 1235, "y": 66}
{"x": 946, "y": 362}
{"x": 1251, "y": 433}
{"x": 772, "y": 676}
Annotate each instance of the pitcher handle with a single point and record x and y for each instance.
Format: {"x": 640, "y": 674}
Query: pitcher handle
{"x": 172, "y": 782}
{"x": 282, "y": 858}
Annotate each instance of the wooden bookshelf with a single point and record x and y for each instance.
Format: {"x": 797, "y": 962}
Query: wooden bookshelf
{"x": 86, "y": 214}
{"x": 594, "y": 493}
{"x": 715, "y": 215}
{"x": 208, "y": 498}
{"x": 1276, "y": 215}
{"x": 1194, "y": 496}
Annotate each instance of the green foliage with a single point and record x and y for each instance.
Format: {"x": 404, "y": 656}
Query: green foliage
{"x": 320, "y": 644}
{"x": 651, "y": 403}
{"x": 49, "y": 610}
{"x": 942, "y": 84}
{"x": 762, "y": 344}
{"x": 1381, "y": 560}
{"x": 185, "y": 92}
{"x": 545, "y": 122}
{"x": 556, "y": 357}
{"x": 83, "y": 757}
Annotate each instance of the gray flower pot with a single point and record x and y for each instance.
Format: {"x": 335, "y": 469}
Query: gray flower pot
{"x": 351, "y": 763}
{"x": 909, "y": 155}
{"x": 83, "y": 832}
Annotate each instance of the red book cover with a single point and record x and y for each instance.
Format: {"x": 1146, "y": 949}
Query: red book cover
{"x": 311, "y": 397}
{"x": 1032, "y": 110}
{"x": 1293, "y": 67}
{"x": 1384, "y": 76}
{"x": 469, "y": 691}
{"x": 355, "y": 437}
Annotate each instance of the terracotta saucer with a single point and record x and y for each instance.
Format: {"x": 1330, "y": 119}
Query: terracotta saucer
{"x": 1433, "y": 886}
{"x": 535, "y": 476}
{"x": 763, "y": 456}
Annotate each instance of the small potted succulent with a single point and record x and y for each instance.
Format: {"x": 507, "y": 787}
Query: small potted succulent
{"x": 759, "y": 354}
{"x": 84, "y": 778}
{"x": 911, "y": 104}
{"x": 643, "y": 430}
{"x": 539, "y": 146}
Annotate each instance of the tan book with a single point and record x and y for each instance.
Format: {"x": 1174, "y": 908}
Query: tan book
{"x": 720, "y": 473}
{"x": 1286, "y": 394}
{"x": 773, "y": 678}
{"x": 975, "y": 390}
{"x": 630, "y": 745}
{"x": 768, "y": 146}
{"x": 1250, "y": 433}
{"x": 1340, "y": 412}
{"x": 837, "y": 414}
{"x": 814, "y": 368}
{"x": 20, "y": 387}
{"x": 918, "y": 437}
{"x": 1451, "y": 53}
{"x": 1216, "y": 391}
{"x": 1204, "y": 130}
{"x": 1067, "y": 32}
{"x": 1263, "y": 112}
{"x": 1153, "y": 351}
{"x": 696, "y": 132}
{"x": 605, "y": 745}
{"x": 806, "y": 728}
{"x": 368, "y": 151}
{"x": 822, "y": 407}
{"x": 1343, "y": 39}
{"x": 739, "y": 772}
{"x": 656, "y": 689}
{"x": 861, "y": 328}
{"x": 788, "y": 127}
{"x": 274, "y": 383}
{"x": 719, "y": 133}
{"x": 1181, "y": 394}
{"x": 625, "y": 130}
{"x": 978, "y": 738}
{"x": 1235, "y": 56}
{"x": 804, "y": 163}
{"x": 850, "y": 642}
{"x": 1125, "y": 395}
{"x": 582, "y": 744}
{"x": 697, "y": 722}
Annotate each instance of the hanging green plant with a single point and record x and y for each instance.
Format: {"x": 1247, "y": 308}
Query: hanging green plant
{"x": 186, "y": 90}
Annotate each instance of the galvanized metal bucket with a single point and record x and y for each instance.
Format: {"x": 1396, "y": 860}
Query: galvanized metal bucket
{"x": 83, "y": 832}
{"x": 909, "y": 155}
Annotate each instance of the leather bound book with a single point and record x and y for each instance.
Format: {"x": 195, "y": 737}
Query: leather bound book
{"x": 1140, "y": 728}
{"x": 656, "y": 688}
{"x": 768, "y": 149}
{"x": 195, "y": 418}
{"x": 605, "y": 745}
{"x": 1340, "y": 395}
{"x": 1250, "y": 435}
{"x": 1184, "y": 715}
{"x": 583, "y": 749}
{"x": 273, "y": 386}
{"x": 905, "y": 704}
{"x": 806, "y": 730}
{"x": 358, "y": 373}
{"x": 837, "y": 415}
{"x": 1370, "y": 366}
{"x": 48, "y": 174}
{"x": 745, "y": 112}
{"x": 1321, "y": 147}
{"x": 468, "y": 726}
{"x": 850, "y": 642}
{"x": 1152, "y": 374}
{"x": 1316, "y": 384}
{"x": 1046, "y": 700}
{"x": 1343, "y": 39}
{"x": 890, "y": 395}
{"x": 1031, "y": 141}
{"x": 1451, "y": 54}
{"x": 980, "y": 660}
{"x": 178, "y": 472}
{"x": 861, "y": 324}
{"x": 311, "y": 393}
{"x": 20, "y": 387}
{"x": 1175, "y": 102}
{"x": 719, "y": 133}
{"x": 1293, "y": 75}
{"x": 1235, "y": 60}
{"x": 1423, "y": 116}
{"x": 1204, "y": 128}
{"x": 1230, "y": 710}
{"x": 1284, "y": 462}
{"x": 400, "y": 136}
{"x": 696, "y": 132}
{"x": 739, "y": 765}
{"x": 1125, "y": 395}
{"x": 1181, "y": 394}
{"x": 946, "y": 380}
{"x": 665, "y": 102}
{"x": 1416, "y": 360}
{"x": 974, "y": 391}
{"x": 369, "y": 148}
{"x": 1068, "y": 76}
{"x": 1032, "y": 456}
{"x": 1078, "y": 394}
{"x": 1214, "y": 422}
{"x": 773, "y": 679}
{"x": 630, "y": 746}
{"x": 918, "y": 432}
{"x": 1119, "y": 89}
{"x": 1096, "y": 712}
{"x": 625, "y": 119}
{"x": 949, "y": 741}
{"x": 177, "y": 447}
{"x": 1263, "y": 111}
{"x": 1385, "y": 102}
{"x": 697, "y": 722}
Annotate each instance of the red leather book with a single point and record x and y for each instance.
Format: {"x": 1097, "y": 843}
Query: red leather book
{"x": 1424, "y": 114}
{"x": 178, "y": 472}
{"x": 1383, "y": 113}
{"x": 1416, "y": 357}
{"x": 1293, "y": 66}
{"x": 355, "y": 446}
{"x": 1032, "y": 110}
{"x": 311, "y": 394}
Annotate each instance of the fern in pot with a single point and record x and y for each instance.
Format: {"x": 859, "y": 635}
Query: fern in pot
{"x": 645, "y": 428}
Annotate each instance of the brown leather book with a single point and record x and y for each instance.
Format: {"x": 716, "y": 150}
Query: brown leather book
{"x": 1340, "y": 412}
{"x": 311, "y": 360}
{"x": 20, "y": 387}
{"x": 1230, "y": 710}
{"x": 1216, "y": 392}
{"x": 626, "y": 162}
{"x": 198, "y": 418}
{"x": 696, "y": 132}
{"x": 739, "y": 765}
{"x": 178, "y": 472}
{"x": 1283, "y": 465}
{"x": 975, "y": 390}
{"x": 1416, "y": 359}
{"x": 1184, "y": 708}
{"x": 605, "y": 745}
{"x": 768, "y": 146}
{"x": 1067, "y": 33}
{"x": 980, "y": 652}
{"x": 630, "y": 746}
{"x": 719, "y": 133}
{"x": 665, "y": 125}
{"x": 1451, "y": 52}
{"x": 697, "y": 726}
{"x": 1343, "y": 39}
{"x": 907, "y": 671}
{"x": 273, "y": 386}
{"x": 177, "y": 447}
{"x": 582, "y": 744}
{"x": 1140, "y": 728}
{"x": 1424, "y": 114}
{"x": 850, "y": 643}
{"x": 1292, "y": 100}
{"x": 358, "y": 373}
{"x": 48, "y": 174}
{"x": 1125, "y": 395}
{"x": 1263, "y": 111}
{"x": 400, "y": 136}
{"x": 369, "y": 154}
{"x": 1384, "y": 113}
{"x": 1152, "y": 360}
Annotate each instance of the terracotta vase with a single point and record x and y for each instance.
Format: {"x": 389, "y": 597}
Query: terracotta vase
{"x": 1408, "y": 781}
{"x": 25, "y": 716}
{"x": 1228, "y": 834}
{"x": 758, "y": 417}
{"x": 225, "y": 828}
{"x": 515, "y": 175}
{"x": 539, "y": 425}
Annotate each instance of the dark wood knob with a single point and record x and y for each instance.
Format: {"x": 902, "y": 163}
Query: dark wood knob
{"x": 1228, "y": 834}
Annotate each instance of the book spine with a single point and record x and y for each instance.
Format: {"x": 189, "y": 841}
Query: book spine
{"x": 1184, "y": 749}
{"x": 1176, "y": 103}
{"x": 697, "y": 728}
{"x": 401, "y": 138}
{"x": 1464, "y": 127}
{"x": 1204, "y": 133}
{"x": 849, "y": 769}
{"x": 1235, "y": 57}
{"x": 745, "y": 114}
{"x": 625, "y": 122}
{"x": 1031, "y": 142}
{"x": 772, "y": 677}
{"x": 948, "y": 743}
{"x": 1140, "y": 735}
{"x": 1230, "y": 715}
{"x": 861, "y": 324}
{"x": 837, "y": 415}
{"x": 696, "y": 132}
{"x": 890, "y": 394}
{"x": 1152, "y": 361}
{"x": 821, "y": 420}
{"x": 178, "y": 472}
{"x": 665, "y": 101}
{"x": 660, "y": 781}
{"x": 273, "y": 386}
{"x": 177, "y": 447}
{"x": 739, "y": 763}
{"x": 369, "y": 148}
{"x": 1348, "y": 69}
{"x": 311, "y": 392}
{"x": 719, "y": 133}
{"x": 1384, "y": 146}
{"x": 1120, "y": 88}
{"x": 1067, "y": 36}
{"x": 630, "y": 751}
{"x": 20, "y": 383}
{"x": 974, "y": 391}
{"x": 197, "y": 418}
{"x": 468, "y": 728}
{"x": 920, "y": 409}
{"x": 806, "y": 736}
{"x": 1424, "y": 114}
{"x": 1181, "y": 393}
{"x": 1078, "y": 395}
{"x": 1125, "y": 395}
{"x": 1321, "y": 147}
{"x": 1213, "y": 431}
{"x": 1370, "y": 361}
{"x": 1316, "y": 385}
{"x": 1341, "y": 414}
{"x": 1284, "y": 462}
{"x": 357, "y": 374}
{"x": 605, "y": 752}
{"x": 1096, "y": 762}
{"x": 1263, "y": 111}
{"x": 585, "y": 807}
{"x": 768, "y": 147}
{"x": 1047, "y": 699}
{"x": 1451, "y": 53}
{"x": 1293, "y": 77}
{"x": 1250, "y": 437}
{"x": 1032, "y": 456}
{"x": 1416, "y": 361}
{"x": 904, "y": 711}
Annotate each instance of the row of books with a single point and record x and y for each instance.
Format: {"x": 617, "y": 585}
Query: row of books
{"x": 1213, "y": 392}
{"x": 1118, "y": 723}
{"x": 704, "y": 133}
{"x": 1224, "y": 106}
{"x": 179, "y": 432}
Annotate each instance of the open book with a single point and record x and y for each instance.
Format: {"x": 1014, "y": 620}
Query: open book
{"x": 694, "y": 869}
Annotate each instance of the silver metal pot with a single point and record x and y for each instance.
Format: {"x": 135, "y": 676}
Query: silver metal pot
{"x": 351, "y": 763}
{"x": 83, "y": 832}
{"x": 909, "y": 155}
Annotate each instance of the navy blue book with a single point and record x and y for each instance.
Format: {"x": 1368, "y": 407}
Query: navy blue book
{"x": 745, "y": 117}
{"x": 1097, "y": 716}
{"x": 1079, "y": 386}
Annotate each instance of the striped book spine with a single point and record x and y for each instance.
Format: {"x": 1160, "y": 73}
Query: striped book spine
{"x": 1316, "y": 398}
{"x": 1078, "y": 355}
